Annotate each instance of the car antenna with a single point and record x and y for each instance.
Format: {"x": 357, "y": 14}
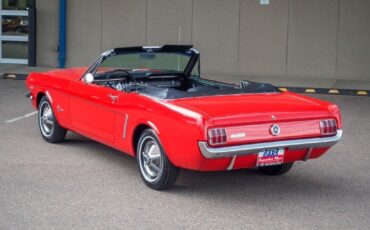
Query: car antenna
{"x": 178, "y": 58}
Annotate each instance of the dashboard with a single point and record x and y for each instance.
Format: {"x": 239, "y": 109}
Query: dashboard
{"x": 129, "y": 84}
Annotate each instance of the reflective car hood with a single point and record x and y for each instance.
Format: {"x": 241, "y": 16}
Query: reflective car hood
{"x": 69, "y": 74}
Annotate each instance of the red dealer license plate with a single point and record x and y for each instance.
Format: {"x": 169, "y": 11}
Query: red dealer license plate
{"x": 267, "y": 157}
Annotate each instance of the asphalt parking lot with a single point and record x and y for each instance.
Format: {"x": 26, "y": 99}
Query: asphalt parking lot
{"x": 81, "y": 184}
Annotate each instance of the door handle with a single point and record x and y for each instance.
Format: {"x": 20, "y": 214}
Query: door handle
{"x": 113, "y": 97}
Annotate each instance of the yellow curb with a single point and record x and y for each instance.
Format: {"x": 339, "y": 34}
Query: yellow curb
{"x": 361, "y": 92}
{"x": 11, "y": 76}
{"x": 334, "y": 91}
{"x": 310, "y": 91}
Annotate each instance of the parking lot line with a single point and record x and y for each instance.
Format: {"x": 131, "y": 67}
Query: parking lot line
{"x": 22, "y": 117}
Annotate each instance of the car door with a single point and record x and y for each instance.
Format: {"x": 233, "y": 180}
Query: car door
{"x": 93, "y": 110}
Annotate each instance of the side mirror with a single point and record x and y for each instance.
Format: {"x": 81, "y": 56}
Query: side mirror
{"x": 89, "y": 78}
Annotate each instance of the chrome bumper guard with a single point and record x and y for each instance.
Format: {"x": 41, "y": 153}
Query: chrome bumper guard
{"x": 248, "y": 149}
{"x": 29, "y": 96}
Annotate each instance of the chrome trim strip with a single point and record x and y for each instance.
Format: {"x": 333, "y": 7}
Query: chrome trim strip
{"x": 194, "y": 50}
{"x": 151, "y": 47}
{"x": 29, "y": 96}
{"x": 308, "y": 154}
{"x": 248, "y": 149}
{"x": 232, "y": 162}
{"x": 125, "y": 127}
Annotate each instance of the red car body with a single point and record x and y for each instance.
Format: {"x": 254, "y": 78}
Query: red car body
{"x": 182, "y": 124}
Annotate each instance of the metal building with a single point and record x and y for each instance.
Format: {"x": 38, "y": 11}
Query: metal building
{"x": 326, "y": 39}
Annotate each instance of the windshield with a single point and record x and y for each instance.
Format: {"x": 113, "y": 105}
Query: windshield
{"x": 172, "y": 62}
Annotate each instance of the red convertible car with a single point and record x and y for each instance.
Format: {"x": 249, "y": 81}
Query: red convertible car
{"x": 151, "y": 103}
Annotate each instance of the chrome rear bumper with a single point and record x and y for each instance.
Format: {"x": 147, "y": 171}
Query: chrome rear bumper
{"x": 241, "y": 150}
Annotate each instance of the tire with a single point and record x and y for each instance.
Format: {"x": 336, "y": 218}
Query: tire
{"x": 276, "y": 169}
{"x": 50, "y": 129}
{"x": 155, "y": 168}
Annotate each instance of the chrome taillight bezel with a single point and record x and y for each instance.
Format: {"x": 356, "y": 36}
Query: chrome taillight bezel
{"x": 217, "y": 136}
{"x": 328, "y": 127}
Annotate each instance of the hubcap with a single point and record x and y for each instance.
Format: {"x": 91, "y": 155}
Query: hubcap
{"x": 150, "y": 159}
{"x": 46, "y": 119}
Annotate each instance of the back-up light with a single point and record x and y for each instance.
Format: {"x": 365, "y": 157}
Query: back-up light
{"x": 217, "y": 136}
{"x": 328, "y": 127}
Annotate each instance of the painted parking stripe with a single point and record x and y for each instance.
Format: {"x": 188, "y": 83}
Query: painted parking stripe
{"x": 22, "y": 117}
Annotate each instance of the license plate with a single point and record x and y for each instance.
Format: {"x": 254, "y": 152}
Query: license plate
{"x": 267, "y": 157}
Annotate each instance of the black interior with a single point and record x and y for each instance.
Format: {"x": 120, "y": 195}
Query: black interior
{"x": 172, "y": 86}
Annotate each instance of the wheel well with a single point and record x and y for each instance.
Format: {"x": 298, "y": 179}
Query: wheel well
{"x": 137, "y": 133}
{"x": 38, "y": 98}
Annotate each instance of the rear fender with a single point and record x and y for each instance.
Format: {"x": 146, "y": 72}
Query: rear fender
{"x": 140, "y": 123}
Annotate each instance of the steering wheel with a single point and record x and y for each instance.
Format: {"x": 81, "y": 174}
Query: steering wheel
{"x": 109, "y": 73}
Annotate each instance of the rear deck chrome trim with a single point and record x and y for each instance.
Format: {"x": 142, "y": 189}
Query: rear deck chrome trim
{"x": 248, "y": 149}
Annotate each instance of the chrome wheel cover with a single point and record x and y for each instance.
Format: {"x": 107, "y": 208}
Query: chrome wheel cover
{"x": 150, "y": 159}
{"x": 46, "y": 119}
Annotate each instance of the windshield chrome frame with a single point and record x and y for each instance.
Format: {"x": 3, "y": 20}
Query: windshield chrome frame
{"x": 187, "y": 50}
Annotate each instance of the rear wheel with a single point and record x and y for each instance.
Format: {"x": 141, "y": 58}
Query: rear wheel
{"x": 155, "y": 169}
{"x": 276, "y": 169}
{"x": 50, "y": 129}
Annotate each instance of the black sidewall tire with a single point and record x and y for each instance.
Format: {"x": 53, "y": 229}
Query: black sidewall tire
{"x": 59, "y": 133}
{"x": 169, "y": 172}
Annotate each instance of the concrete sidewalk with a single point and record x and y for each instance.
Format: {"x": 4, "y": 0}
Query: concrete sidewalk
{"x": 15, "y": 69}
{"x": 18, "y": 69}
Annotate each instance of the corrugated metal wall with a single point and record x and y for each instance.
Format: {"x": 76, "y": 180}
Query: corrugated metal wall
{"x": 294, "y": 38}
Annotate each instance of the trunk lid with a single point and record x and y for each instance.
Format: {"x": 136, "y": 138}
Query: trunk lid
{"x": 249, "y": 117}
{"x": 255, "y": 108}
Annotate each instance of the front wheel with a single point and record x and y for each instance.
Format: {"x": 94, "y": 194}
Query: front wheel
{"x": 276, "y": 169}
{"x": 50, "y": 129}
{"x": 155, "y": 168}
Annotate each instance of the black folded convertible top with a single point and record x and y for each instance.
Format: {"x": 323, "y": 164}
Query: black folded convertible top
{"x": 247, "y": 87}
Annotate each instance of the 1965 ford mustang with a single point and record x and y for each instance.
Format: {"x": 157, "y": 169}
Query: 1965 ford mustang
{"x": 151, "y": 103}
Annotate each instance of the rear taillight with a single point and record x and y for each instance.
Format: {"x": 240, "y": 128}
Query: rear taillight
{"x": 217, "y": 136}
{"x": 328, "y": 127}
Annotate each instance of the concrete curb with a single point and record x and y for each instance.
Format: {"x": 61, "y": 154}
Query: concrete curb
{"x": 15, "y": 76}
{"x": 347, "y": 92}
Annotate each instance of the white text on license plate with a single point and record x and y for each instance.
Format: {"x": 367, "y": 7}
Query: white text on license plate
{"x": 273, "y": 156}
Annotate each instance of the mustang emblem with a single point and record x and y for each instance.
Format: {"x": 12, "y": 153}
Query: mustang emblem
{"x": 237, "y": 135}
{"x": 275, "y": 130}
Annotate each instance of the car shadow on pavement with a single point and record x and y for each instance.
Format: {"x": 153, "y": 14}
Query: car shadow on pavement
{"x": 252, "y": 186}
{"x": 238, "y": 185}
{"x": 88, "y": 146}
